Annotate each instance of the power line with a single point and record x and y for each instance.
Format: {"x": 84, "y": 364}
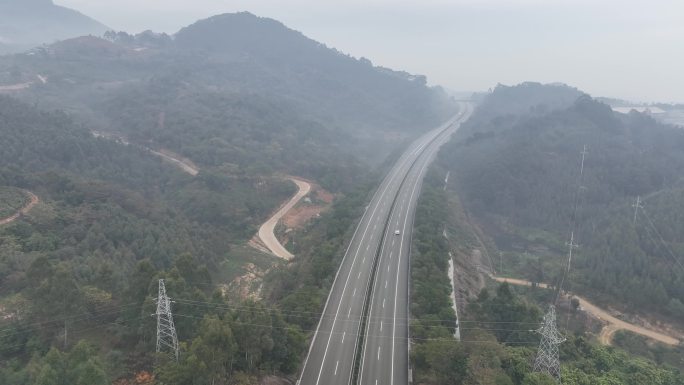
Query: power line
{"x": 317, "y": 315}
{"x": 573, "y": 222}
{"x": 8, "y": 332}
{"x": 110, "y": 310}
{"x": 662, "y": 240}
{"x": 374, "y": 336}
{"x": 547, "y": 360}
{"x": 78, "y": 331}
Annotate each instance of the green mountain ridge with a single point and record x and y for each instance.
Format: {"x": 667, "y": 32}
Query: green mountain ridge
{"x": 518, "y": 174}
{"x": 236, "y": 89}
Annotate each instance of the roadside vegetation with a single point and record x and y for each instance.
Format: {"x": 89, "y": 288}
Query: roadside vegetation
{"x": 515, "y": 165}
{"x": 303, "y": 286}
{"x": 498, "y": 345}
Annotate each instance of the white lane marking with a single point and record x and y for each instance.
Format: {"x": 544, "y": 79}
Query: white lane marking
{"x": 359, "y": 276}
{"x": 339, "y": 305}
{"x": 388, "y": 267}
{"x": 383, "y": 303}
{"x": 343, "y": 334}
{"x": 354, "y": 295}
{"x": 396, "y": 287}
{"x": 393, "y": 213}
{"x": 336, "y": 365}
{"x": 373, "y": 296}
{"x": 364, "y": 260}
{"x": 385, "y": 284}
{"x": 379, "y": 352}
{"x": 349, "y": 312}
{"x": 367, "y": 247}
{"x": 375, "y": 226}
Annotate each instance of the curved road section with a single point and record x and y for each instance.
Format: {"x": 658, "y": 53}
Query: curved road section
{"x": 24, "y": 210}
{"x": 267, "y": 230}
{"x": 375, "y": 268}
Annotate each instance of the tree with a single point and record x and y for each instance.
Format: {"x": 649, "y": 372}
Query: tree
{"x": 538, "y": 379}
{"x": 215, "y": 347}
{"x": 442, "y": 361}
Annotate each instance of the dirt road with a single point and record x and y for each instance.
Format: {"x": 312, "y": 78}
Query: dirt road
{"x": 22, "y": 86}
{"x": 34, "y": 201}
{"x": 15, "y": 87}
{"x": 266, "y": 231}
{"x": 613, "y": 324}
{"x": 184, "y": 164}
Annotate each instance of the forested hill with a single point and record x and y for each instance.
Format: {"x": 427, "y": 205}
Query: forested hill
{"x": 518, "y": 174}
{"x": 235, "y": 89}
{"x": 100, "y": 187}
{"x": 25, "y": 24}
{"x": 113, "y": 219}
{"x": 331, "y": 84}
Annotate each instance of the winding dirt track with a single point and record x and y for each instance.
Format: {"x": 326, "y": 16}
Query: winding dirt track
{"x": 613, "y": 324}
{"x": 179, "y": 162}
{"x": 266, "y": 231}
{"x": 34, "y": 201}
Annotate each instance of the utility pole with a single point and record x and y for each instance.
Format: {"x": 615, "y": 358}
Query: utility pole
{"x": 571, "y": 245}
{"x": 167, "y": 341}
{"x": 547, "y": 360}
{"x": 573, "y": 222}
{"x": 584, "y": 154}
{"x": 637, "y": 206}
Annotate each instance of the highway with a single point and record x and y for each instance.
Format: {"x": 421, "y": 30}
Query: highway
{"x": 384, "y": 359}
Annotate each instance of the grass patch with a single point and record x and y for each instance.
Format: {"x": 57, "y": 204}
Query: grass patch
{"x": 233, "y": 265}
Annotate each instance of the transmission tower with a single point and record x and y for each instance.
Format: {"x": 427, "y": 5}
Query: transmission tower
{"x": 167, "y": 341}
{"x": 547, "y": 360}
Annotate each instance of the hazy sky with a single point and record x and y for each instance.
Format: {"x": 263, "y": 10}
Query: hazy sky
{"x": 628, "y": 49}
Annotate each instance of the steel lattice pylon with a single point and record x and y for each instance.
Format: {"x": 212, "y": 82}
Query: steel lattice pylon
{"x": 547, "y": 360}
{"x": 167, "y": 341}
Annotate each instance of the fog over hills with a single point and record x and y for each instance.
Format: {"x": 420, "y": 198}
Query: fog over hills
{"x": 236, "y": 167}
{"x": 28, "y": 23}
{"x": 223, "y": 88}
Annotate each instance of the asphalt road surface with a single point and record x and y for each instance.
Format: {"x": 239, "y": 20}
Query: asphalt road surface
{"x": 267, "y": 230}
{"x": 384, "y": 357}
